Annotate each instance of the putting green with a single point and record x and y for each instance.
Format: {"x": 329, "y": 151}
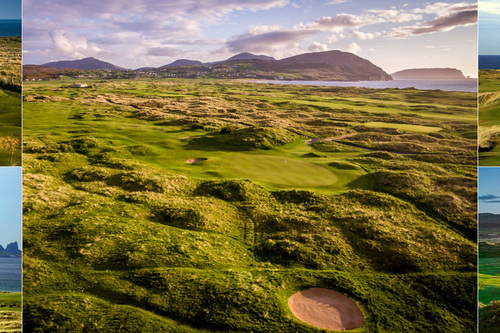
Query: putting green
{"x": 279, "y": 170}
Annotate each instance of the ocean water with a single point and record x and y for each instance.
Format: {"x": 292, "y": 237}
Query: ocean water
{"x": 10, "y": 28}
{"x": 489, "y": 62}
{"x": 10, "y": 274}
{"x": 468, "y": 85}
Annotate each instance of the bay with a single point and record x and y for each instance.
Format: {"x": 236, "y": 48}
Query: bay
{"x": 489, "y": 62}
{"x": 10, "y": 28}
{"x": 467, "y": 85}
{"x": 10, "y": 274}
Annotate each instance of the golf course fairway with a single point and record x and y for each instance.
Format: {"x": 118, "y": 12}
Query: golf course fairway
{"x": 280, "y": 170}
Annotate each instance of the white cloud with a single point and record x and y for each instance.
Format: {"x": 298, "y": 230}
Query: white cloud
{"x": 489, "y": 7}
{"x": 353, "y": 48}
{"x": 364, "y": 36}
{"x": 392, "y": 15}
{"x": 317, "y": 47}
{"x": 71, "y": 46}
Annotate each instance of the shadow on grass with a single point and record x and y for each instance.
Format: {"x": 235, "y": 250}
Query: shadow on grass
{"x": 364, "y": 182}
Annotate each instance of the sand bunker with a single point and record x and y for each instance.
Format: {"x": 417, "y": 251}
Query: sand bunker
{"x": 325, "y": 308}
{"x": 195, "y": 160}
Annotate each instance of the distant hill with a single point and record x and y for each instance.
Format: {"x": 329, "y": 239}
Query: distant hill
{"x": 488, "y": 221}
{"x": 183, "y": 62}
{"x": 429, "y": 74}
{"x": 326, "y": 66}
{"x": 249, "y": 56}
{"x": 12, "y": 250}
{"x": 85, "y": 64}
{"x": 330, "y": 65}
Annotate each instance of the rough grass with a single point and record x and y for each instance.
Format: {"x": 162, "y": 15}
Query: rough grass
{"x": 10, "y": 312}
{"x": 121, "y": 234}
{"x": 489, "y": 112}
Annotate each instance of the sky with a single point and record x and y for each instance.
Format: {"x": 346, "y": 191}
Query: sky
{"x": 489, "y": 190}
{"x": 489, "y": 27}
{"x": 10, "y": 205}
{"x": 11, "y": 9}
{"x": 392, "y": 34}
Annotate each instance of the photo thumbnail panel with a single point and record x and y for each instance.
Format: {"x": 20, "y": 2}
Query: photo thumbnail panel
{"x": 10, "y": 249}
{"x": 10, "y": 82}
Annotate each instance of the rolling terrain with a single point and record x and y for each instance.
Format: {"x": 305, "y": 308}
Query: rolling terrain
{"x": 10, "y": 312}
{"x": 489, "y": 110}
{"x": 10, "y": 101}
{"x": 203, "y": 205}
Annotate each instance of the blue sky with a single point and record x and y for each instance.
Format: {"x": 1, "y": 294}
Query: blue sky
{"x": 394, "y": 35}
{"x": 489, "y": 190}
{"x": 10, "y": 9}
{"x": 10, "y": 205}
{"x": 489, "y": 27}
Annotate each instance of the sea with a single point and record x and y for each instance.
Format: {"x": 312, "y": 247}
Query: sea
{"x": 467, "y": 85}
{"x": 489, "y": 62}
{"x": 10, "y": 274}
{"x": 10, "y": 28}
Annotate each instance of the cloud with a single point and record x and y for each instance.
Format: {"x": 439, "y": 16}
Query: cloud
{"x": 317, "y": 47}
{"x": 353, "y": 48}
{"x": 392, "y": 15}
{"x": 163, "y": 52}
{"x": 340, "y": 22}
{"x": 444, "y": 23}
{"x": 489, "y": 198}
{"x": 364, "y": 36}
{"x": 489, "y": 7}
{"x": 336, "y": 2}
{"x": 267, "y": 41}
{"x": 140, "y": 9}
{"x": 443, "y": 9}
{"x": 69, "y": 45}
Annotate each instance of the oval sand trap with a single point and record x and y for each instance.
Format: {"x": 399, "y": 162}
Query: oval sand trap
{"x": 325, "y": 308}
{"x": 279, "y": 170}
{"x": 195, "y": 160}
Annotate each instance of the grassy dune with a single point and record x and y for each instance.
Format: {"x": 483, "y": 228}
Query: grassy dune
{"x": 489, "y": 286}
{"x": 10, "y": 312}
{"x": 10, "y": 60}
{"x": 10, "y": 101}
{"x": 120, "y": 233}
{"x": 489, "y": 113}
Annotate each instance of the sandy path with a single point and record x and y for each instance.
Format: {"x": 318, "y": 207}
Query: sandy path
{"x": 325, "y": 308}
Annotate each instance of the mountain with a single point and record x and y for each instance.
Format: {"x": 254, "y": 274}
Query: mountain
{"x": 429, "y": 74}
{"x": 12, "y": 250}
{"x": 326, "y": 66}
{"x": 249, "y": 56}
{"x": 85, "y": 64}
{"x": 329, "y": 66}
{"x": 183, "y": 62}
